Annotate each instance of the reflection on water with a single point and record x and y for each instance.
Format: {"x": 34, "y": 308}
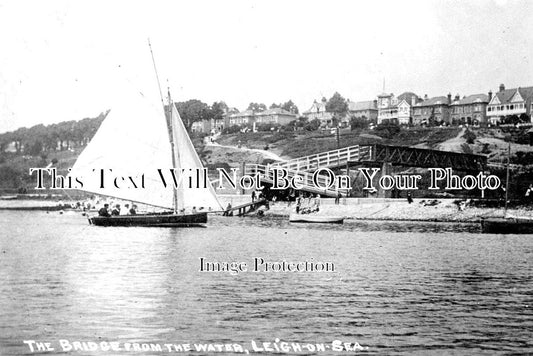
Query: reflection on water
{"x": 398, "y": 288}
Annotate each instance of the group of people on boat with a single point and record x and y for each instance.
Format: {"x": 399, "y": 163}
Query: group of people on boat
{"x": 116, "y": 211}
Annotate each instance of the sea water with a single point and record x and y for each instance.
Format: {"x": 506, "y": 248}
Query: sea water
{"x": 396, "y": 288}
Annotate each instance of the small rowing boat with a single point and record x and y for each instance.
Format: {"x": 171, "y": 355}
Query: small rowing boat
{"x": 319, "y": 219}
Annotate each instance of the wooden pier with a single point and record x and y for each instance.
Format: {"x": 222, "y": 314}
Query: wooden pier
{"x": 246, "y": 208}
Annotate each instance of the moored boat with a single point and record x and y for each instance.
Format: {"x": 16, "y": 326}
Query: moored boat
{"x": 152, "y": 220}
{"x": 319, "y": 219}
{"x": 509, "y": 225}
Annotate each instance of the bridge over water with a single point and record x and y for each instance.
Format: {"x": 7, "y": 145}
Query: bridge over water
{"x": 360, "y": 155}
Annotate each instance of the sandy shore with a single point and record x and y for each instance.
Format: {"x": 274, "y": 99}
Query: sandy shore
{"x": 400, "y": 210}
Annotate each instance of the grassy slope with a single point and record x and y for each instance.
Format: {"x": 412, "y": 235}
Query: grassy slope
{"x": 291, "y": 145}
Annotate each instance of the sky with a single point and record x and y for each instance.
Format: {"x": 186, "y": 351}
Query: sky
{"x": 67, "y": 60}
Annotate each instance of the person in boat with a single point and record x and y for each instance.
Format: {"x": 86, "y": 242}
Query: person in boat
{"x": 133, "y": 210}
{"x": 104, "y": 211}
{"x": 116, "y": 211}
{"x": 126, "y": 210}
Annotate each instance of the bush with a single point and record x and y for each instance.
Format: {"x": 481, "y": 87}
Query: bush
{"x": 267, "y": 127}
{"x": 312, "y": 125}
{"x": 231, "y": 129}
{"x": 466, "y": 148}
{"x": 387, "y": 129}
{"x": 470, "y": 137}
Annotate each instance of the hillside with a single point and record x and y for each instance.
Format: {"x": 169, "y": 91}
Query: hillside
{"x": 261, "y": 147}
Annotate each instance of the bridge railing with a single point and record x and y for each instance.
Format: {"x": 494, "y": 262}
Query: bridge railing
{"x": 332, "y": 158}
{"x": 321, "y": 186}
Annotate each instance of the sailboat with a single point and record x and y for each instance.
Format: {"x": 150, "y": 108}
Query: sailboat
{"x": 140, "y": 141}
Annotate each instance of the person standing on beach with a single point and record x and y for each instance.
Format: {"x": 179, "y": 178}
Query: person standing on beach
{"x": 409, "y": 198}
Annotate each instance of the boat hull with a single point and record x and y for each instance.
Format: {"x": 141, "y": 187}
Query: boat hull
{"x": 151, "y": 220}
{"x": 507, "y": 226}
{"x": 318, "y": 219}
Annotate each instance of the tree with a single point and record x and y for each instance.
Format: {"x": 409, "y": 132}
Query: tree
{"x": 256, "y": 107}
{"x": 337, "y": 105}
{"x": 274, "y": 106}
{"x": 218, "y": 110}
{"x": 191, "y": 111}
{"x": 290, "y": 107}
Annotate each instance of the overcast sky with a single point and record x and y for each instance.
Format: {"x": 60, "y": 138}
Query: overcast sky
{"x": 66, "y": 60}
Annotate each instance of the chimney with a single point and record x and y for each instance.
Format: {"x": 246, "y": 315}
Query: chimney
{"x": 425, "y": 97}
{"x": 490, "y": 95}
{"x": 413, "y": 100}
{"x": 457, "y": 97}
{"x": 449, "y": 98}
{"x": 502, "y": 87}
{"x": 375, "y": 104}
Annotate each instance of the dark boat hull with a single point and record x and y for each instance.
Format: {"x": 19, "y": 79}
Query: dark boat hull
{"x": 151, "y": 220}
{"x": 305, "y": 218}
{"x": 507, "y": 226}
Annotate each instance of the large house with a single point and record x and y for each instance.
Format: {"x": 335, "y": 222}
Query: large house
{"x": 510, "y": 102}
{"x": 274, "y": 116}
{"x": 398, "y": 109}
{"x": 436, "y": 110}
{"x": 242, "y": 118}
{"x": 469, "y": 110}
{"x": 318, "y": 111}
{"x": 363, "y": 109}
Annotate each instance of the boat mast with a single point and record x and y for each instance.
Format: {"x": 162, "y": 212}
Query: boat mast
{"x": 507, "y": 178}
{"x": 168, "y": 120}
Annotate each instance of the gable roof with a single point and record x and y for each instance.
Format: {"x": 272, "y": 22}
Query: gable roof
{"x": 438, "y": 100}
{"x": 408, "y": 97}
{"x": 472, "y": 99}
{"x": 506, "y": 95}
{"x": 321, "y": 106}
{"x": 243, "y": 114}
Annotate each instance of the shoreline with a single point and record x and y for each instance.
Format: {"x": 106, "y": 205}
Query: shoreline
{"x": 352, "y": 209}
{"x": 421, "y": 210}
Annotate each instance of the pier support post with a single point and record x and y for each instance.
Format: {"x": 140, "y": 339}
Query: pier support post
{"x": 386, "y": 169}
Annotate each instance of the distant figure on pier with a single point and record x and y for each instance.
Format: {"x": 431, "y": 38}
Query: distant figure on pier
{"x": 529, "y": 194}
{"x": 299, "y": 203}
{"x": 103, "y": 211}
{"x": 317, "y": 203}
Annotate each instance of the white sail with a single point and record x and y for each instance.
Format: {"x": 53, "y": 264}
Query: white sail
{"x": 133, "y": 140}
{"x": 131, "y": 146}
{"x": 187, "y": 159}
